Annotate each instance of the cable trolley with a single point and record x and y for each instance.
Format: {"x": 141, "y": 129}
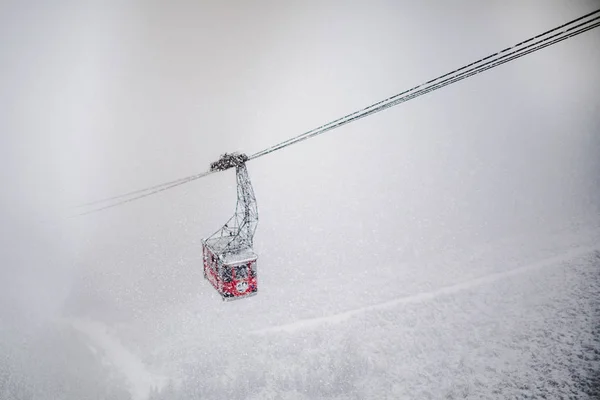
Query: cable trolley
{"x": 229, "y": 260}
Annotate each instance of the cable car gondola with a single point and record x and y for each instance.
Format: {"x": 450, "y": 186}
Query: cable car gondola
{"x": 228, "y": 256}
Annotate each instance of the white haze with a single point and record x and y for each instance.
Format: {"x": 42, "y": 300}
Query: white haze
{"x": 103, "y": 98}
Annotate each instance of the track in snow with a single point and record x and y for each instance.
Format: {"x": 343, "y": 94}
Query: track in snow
{"x": 421, "y": 297}
{"x": 141, "y": 381}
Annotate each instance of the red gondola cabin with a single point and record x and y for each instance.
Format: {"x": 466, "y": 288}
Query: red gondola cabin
{"x": 229, "y": 262}
{"x": 234, "y": 276}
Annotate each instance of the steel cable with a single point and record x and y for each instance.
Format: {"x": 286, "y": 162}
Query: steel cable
{"x": 501, "y": 57}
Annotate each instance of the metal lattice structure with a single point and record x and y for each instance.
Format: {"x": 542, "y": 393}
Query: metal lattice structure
{"x": 236, "y": 237}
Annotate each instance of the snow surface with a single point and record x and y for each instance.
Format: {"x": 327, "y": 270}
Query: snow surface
{"x": 141, "y": 381}
{"x": 426, "y": 296}
{"x": 525, "y": 328}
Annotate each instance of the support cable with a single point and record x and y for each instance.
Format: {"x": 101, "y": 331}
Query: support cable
{"x": 508, "y": 54}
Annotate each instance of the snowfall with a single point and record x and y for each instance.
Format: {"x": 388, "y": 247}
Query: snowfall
{"x": 447, "y": 248}
{"x": 501, "y": 322}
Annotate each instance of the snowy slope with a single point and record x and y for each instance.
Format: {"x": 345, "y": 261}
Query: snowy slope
{"x": 141, "y": 382}
{"x": 494, "y": 327}
{"x": 430, "y": 296}
{"x": 527, "y": 334}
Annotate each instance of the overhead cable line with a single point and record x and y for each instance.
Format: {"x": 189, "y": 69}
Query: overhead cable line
{"x": 137, "y": 191}
{"x": 430, "y": 85}
{"x": 157, "y": 189}
{"x": 563, "y": 32}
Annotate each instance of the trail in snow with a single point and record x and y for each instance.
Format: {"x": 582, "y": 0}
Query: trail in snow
{"x": 421, "y": 297}
{"x": 141, "y": 381}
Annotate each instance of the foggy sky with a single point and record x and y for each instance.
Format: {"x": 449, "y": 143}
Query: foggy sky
{"x": 103, "y": 98}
